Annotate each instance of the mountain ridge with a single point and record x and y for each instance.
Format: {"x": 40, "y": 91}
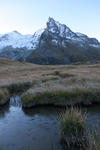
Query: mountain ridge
{"x": 54, "y": 44}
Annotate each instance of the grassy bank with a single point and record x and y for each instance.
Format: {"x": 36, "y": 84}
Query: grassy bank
{"x": 8, "y": 90}
{"x": 4, "y": 96}
{"x": 17, "y": 88}
{"x": 61, "y": 97}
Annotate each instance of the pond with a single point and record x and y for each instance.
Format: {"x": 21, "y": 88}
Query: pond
{"x": 35, "y": 128}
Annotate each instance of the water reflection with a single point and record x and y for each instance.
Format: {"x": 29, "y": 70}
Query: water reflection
{"x": 93, "y": 120}
{"x": 4, "y": 110}
{"x": 35, "y": 128}
{"x": 23, "y": 129}
{"x": 42, "y": 111}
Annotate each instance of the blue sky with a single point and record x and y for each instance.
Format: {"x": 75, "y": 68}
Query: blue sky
{"x": 27, "y": 16}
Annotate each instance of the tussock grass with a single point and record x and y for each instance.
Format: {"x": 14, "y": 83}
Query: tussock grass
{"x": 3, "y": 93}
{"x": 73, "y": 123}
{"x": 73, "y": 128}
{"x": 27, "y": 98}
{"x": 63, "y": 74}
{"x": 74, "y": 133}
{"x": 66, "y": 75}
{"x": 61, "y": 97}
{"x": 4, "y": 96}
{"x": 19, "y": 87}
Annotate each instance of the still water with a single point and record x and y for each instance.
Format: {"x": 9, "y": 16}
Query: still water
{"x": 36, "y": 128}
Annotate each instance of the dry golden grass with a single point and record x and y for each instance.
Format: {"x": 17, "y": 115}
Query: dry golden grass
{"x": 63, "y": 76}
{"x": 84, "y": 77}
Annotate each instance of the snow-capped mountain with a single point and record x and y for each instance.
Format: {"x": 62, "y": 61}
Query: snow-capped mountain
{"x": 17, "y": 40}
{"x": 54, "y": 44}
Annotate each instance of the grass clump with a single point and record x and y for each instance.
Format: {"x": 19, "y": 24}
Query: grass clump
{"x": 52, "y": 97}
{"x": 73, "y": 128}
{"x": 3, "y": 93}
{"x": 27, "y": 98}
{"x": 73, "y": 123}
{"x": 4, "y": 96}
{"x": 46, "y": 98}
{"x": 63, "y": 74}
{"x": 61, "y": 97}
{"x": 74, "y": 132}
{"x": 66, "y": 75}
{"x": 19, "y": 87}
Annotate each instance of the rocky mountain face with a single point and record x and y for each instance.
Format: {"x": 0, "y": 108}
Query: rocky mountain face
{"x": 54, "y": 44}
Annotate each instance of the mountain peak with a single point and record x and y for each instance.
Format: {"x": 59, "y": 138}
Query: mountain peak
{"x": 58, "y": 28}
{"x": 50, "y": 19}
{"x": 47, "y": 43}
{"x": 57, "y": 23}
{"x": 51, "y": 22}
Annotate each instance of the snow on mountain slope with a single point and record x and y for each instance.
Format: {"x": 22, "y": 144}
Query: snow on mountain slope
{"x": 61, "y": 30}
{"x": 17, "y": 40}
{"x": 55, "y": 38}
{"x": 58, "y": 28}
{"x": 36, "y": 37}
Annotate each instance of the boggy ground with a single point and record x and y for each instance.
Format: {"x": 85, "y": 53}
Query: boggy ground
{"x": 52, "y": 84}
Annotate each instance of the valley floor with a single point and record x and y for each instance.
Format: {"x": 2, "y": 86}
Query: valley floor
{"x": 45, "y": 78}
{"x": 66, "y": 76}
